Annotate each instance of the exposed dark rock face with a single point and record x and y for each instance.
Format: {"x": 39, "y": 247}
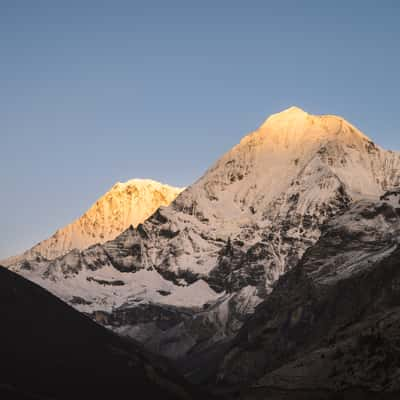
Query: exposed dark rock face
{"x": 79, "y": 300}
{"x": 332, "y": 322}
{"x": 104, "y": 282}
{"x": 164, "y": 317}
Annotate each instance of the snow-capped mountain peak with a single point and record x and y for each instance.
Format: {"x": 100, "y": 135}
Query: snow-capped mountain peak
{"x": 126, "y": 203}
{"x": 290, "y": 113}
{"x": 299, "y": 127}
{"x": 266, "y": 162}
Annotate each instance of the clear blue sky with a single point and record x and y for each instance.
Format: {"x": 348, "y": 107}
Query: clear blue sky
{"x": 94, "y": 92}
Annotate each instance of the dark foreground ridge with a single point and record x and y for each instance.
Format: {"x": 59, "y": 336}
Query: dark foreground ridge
{"x": 50, "y": 351}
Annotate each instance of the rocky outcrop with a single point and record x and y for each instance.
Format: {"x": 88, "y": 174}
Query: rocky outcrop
{"x": 332, "y": 322}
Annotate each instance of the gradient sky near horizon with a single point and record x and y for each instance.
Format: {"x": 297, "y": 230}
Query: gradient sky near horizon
{"x": 95, "y": 92}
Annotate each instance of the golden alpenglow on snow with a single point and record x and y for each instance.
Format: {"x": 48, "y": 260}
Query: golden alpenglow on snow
{"x": 125, "y": 204}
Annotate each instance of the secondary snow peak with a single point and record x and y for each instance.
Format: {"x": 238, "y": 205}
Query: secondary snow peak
{"x": 125, "y": 204}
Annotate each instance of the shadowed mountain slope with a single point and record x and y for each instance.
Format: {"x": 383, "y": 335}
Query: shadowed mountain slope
{"x": 49, "y": 350}
{"x": 332, "y": 324}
